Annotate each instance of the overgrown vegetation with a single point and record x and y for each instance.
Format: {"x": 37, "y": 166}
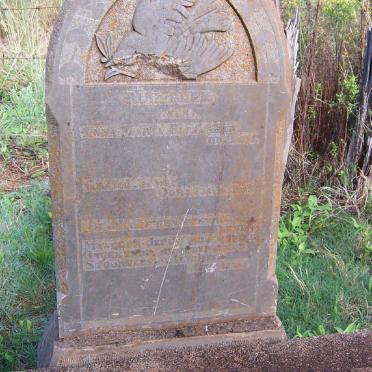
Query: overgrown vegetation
{"x": 323, "y": 269}
{"x": 24, "y": 38}
{"x": 330, "y": 70}
{"x": 325, "y": 239}
{"x": 23, "y": 125}
{"x": 332, "y": 42}
{"x": 27, "y": 291}
{"x": 324, "y": 255}
{"x": 23, "y": 132}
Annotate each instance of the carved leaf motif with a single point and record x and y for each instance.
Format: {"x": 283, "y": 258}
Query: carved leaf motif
{"x": 109, "y": 46}
{"x": 113, "y": 71}
{"x": 102, "y": 46}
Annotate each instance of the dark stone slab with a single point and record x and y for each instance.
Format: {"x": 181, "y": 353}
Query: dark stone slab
{"x": 167, "y": 125}
{"x": 337, "y": 352}
{"x": 104, "y": 346}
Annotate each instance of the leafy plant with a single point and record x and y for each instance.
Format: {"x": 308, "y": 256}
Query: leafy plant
{"x": 295, "y": 227}
{"x": 348, "y": 95}
{"x": 320, "y": 331}
{"x": 352, "y": 327}
{"x": 331, "y": 38}
{"x": 364, "y": 242}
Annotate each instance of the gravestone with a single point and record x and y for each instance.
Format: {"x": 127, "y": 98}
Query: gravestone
{"x": 167, "y": 134}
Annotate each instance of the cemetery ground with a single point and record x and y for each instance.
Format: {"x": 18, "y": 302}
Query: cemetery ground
{"x": 324, "y": 253}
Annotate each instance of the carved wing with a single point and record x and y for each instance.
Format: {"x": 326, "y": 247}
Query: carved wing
{"x": 204, "y": 16}
{"x": 199, "y": 54}
{"x": 178, "y": 10}
{"x": 190, "y": 43}
{"x": 160, "y": 16}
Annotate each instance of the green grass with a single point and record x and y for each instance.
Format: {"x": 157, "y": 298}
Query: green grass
{"x": 22, "y": 122}
{"x": 323, "y": 264}
{"x": 24, "y": 39}
{"x": 27, "y": 289}
{"x": 323, "y": 269}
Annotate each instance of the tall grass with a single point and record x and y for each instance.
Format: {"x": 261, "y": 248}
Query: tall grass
{"x": 22, "y": 120}
{"x": 330, "y": 66}
{"x": 332, "y": 41}
{"x": 27, "y": 293}
{"x": 24, "y": 40}
{"x": 25, "y": 26}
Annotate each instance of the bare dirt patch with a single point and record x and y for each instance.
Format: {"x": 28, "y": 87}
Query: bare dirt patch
{"x": 21, "y": 169}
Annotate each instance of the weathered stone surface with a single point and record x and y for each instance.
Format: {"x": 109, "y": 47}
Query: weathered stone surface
{"x": 167, "y": 133}
{"x": 336, "y": 352}
{"x": 97, "y": 347}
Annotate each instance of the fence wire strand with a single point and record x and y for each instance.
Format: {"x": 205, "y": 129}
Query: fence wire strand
{"x": 4, "y": 57}
{"x": 31, "y": 8}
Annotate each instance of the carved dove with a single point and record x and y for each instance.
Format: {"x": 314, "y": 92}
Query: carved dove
{"x": 177, "y": 29}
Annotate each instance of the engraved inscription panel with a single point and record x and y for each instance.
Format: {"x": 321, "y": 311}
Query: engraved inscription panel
{"x": 168, "y": 203}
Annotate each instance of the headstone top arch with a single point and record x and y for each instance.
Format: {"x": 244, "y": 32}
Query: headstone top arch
{"x": 241, "y": 40}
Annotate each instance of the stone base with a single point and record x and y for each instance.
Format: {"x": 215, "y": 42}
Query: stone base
{"x": 109, "y": 346}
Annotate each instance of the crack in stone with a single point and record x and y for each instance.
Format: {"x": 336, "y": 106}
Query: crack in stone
{"x": 169, "y": 259}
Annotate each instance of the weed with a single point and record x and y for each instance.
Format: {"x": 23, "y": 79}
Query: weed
{"x": 24, "y": 35}
{"x": 352, "y": 327}
{"x": 295, "y": 227}
{"x": 332, "y": 38}
{"x": 23, "y": 134}
{"x": 349, "y": 93}
{"x": 320, "y": 331}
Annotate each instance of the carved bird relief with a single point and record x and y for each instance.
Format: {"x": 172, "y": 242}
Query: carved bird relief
{"x": 174, "y": 32}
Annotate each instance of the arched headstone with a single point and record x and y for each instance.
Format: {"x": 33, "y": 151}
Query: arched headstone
{"x": 167, "y": 123}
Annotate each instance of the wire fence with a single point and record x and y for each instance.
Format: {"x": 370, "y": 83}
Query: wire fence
{"x": 30, "y": 8}
{"x": 25, "y": 28}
